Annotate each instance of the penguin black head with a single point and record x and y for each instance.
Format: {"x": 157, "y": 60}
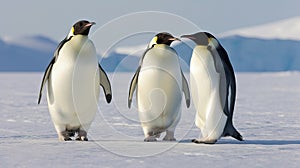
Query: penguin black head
{"x": 201, "y": 38}
{"x": 82, "y": 27}
{"x": 163, "y": 38}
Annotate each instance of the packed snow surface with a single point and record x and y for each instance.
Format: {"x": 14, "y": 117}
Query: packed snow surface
{"x": 266, "y": 114}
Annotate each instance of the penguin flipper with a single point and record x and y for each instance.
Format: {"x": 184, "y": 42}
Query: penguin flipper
{"x": 227, "y": 86}
{"x": 105, "y": 84}
{"x": 46, "y": 77}
{"x": 186, "y": 90}
{"x": 230, "y": 79}
{"x": 133, "y": 86}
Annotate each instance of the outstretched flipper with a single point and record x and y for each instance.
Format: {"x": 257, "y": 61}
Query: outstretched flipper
{"x": 104, "y": 82}
{"x": 133, "y": 86}
{"x": 46, "y": 77}
{"x": 186, "y": 90}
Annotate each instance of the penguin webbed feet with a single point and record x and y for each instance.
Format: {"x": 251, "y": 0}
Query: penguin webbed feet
{"x": 82, "y": 136}
{"x": 71, "y": 133}
{"x": 169, "y": 136}
{"x": 150, "y": 139}
{"x": 67, "y": 139}
{"x": 67, "y": 134}
{"x": 201, "y": 141}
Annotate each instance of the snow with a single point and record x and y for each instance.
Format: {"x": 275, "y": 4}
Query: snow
{"x": 287, "y": 29}
{"x": 267, "y": 115}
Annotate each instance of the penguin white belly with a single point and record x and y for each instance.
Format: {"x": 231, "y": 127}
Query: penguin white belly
{"x": 159, "y": 90}
{"x": 73, "y": 87}
{"x": 205, "y": 82}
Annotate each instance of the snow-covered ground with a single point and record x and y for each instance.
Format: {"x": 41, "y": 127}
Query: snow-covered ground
{"x": 267, "y": 115}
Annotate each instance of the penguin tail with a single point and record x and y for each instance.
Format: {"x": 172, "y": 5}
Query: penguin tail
{"x": 237, "y": 135}
{"x": 229, "y": 130}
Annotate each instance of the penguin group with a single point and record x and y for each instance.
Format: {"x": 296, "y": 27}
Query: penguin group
{"x": 74, "y": 78}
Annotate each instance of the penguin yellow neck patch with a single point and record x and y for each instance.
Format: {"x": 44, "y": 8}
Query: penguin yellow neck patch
{"x": 209, "y": 40}
{"x": 153, "y": 41}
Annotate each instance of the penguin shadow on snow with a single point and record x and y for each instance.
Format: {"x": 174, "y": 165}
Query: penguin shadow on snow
{"x": 262, "y": 142}
{"x": 250, "y": 142}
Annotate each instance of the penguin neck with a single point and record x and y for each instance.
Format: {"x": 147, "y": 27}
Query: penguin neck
{"x": 201, "y": 49}
{"x": 202, "y": 46}
{"x": 71, "y": 35}
{"x": 79, "y": 41}
{"x": 162, "y": 45}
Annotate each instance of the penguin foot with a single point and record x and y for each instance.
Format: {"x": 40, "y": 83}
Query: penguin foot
{"x": 157, "y": 135}
{"x": 169, "y": 136}
{"x": 64, "y": 136}
{"x": 201, "y": 141}
{"x": 82, "y": 136}
{"x": 71, "y": 133}
{"x": 68, "y": 139}
{"x": 150, "y": 139}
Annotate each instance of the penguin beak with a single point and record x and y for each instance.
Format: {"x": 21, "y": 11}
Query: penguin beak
{"x": 90, "y": 24}
{"x": 188, "y": 36}
{"x": 174, "y": 39}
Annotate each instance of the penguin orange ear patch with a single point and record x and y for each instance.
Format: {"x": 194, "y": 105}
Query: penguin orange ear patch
{"x": 73, "y": 30}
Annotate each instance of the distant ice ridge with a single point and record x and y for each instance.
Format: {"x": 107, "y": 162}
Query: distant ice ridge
{"x": 37, "y": 42}
{"x": 269, "y": 47}
{"x": 288, "y": 29}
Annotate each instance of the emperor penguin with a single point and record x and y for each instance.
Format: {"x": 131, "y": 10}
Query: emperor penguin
{"x": 213, "y": 87}
{"x": 159, "y": 83}
{"x": 73, "y": 81}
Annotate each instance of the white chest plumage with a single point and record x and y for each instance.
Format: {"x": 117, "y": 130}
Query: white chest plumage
{"x": 159, "y": 90}
{"x": 205, "y": 81}
{"x": 73, "y": 87}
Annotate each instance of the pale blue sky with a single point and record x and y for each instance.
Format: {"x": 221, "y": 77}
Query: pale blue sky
{"x": 54, "y": 18}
